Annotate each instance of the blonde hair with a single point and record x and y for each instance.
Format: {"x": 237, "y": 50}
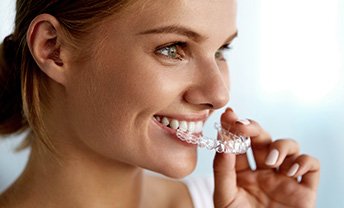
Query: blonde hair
{"x": 23, "y": 86}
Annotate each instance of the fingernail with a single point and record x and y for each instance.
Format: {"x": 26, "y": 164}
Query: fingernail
{"x": 229, "y": 109}
{"x": 272, "y": 157}
{"x": 292, "y": 171}
{"x": 244, "y": 122}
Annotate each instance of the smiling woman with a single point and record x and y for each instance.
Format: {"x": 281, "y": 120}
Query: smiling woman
{"x": 103, "y": 87}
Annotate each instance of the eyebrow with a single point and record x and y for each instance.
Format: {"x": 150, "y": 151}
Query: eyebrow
{"x": 181, "y": 30}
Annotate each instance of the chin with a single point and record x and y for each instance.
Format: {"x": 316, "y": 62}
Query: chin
{"x": 178, "y": 170}
{"x": 178, "y": 174}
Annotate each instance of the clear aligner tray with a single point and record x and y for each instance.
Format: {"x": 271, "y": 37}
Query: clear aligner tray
{"x": 227, "y": 142}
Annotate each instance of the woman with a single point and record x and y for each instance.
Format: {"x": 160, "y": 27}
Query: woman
{"x": 91, "y": 78}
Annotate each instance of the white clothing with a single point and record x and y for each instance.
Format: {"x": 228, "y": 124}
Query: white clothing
{"x": 201, "y": 191}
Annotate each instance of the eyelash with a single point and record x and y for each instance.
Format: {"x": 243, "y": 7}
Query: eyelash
{"x": 164, "y": 50}
{"x": 179, "y": 54}
{"x": 222, "y": 50}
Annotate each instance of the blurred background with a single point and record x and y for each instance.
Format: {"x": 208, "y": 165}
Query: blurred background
{"x": 287, "y": 72}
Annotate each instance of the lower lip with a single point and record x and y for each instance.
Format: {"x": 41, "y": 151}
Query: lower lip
{"x": 172, "y": 132}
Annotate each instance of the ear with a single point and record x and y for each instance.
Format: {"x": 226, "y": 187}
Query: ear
{"x": 44, "y": 38}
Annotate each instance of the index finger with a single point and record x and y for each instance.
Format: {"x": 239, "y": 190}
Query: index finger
{"x": 260, "y": 139}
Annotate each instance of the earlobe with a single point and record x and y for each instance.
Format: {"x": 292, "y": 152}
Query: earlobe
{"x": 44, "y": 42}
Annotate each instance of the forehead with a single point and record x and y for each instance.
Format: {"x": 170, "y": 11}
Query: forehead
{"x": 207, "y": 17}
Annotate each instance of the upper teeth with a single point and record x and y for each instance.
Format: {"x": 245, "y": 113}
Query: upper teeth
{"x": 192, "y": 126}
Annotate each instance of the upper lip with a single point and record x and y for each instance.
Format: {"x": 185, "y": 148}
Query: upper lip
{"x": 185, "y": 117}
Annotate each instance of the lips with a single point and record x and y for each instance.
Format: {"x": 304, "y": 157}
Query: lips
{"x": 173, "y": 123}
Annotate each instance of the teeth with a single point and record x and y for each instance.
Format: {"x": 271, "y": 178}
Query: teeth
{"x": 174, "y": 124}
{"x": 165, "y": 121}
{"x": 199, "y": 126}
{"x": 192, "y": 127}
{"x": 183, "y": 125}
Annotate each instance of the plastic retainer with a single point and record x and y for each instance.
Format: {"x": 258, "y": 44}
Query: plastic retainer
{"x": 227, "y": 142}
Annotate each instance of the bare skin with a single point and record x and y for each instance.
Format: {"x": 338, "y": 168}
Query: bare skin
{"x": 236, "y": 185}
{"x": 102, "y": 108}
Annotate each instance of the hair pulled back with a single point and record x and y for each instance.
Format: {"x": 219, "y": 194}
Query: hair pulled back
{"x": 22, "y": 83}
{"x": 11, "y": 119}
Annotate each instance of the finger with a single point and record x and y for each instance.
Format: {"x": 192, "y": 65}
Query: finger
{"x": 287, "y": 163}
{"x": 260, "y": 140}
{"x": 228, "y": 119}
{"x": 309, "y": 168}
{"x": 279, "y": 150}
{"x": 242, "y": 163}
{"x": 244, "y": 127}
{"x": 250, "y": 128}
{"x": 225, "y": 179}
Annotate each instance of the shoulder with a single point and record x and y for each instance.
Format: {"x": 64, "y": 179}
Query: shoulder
{"x": 6, "y": 201}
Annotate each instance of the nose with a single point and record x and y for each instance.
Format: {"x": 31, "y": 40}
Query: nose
{"x": 209, "y": 86}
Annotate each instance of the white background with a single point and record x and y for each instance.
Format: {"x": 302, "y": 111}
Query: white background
{"x": 286, "y": 73}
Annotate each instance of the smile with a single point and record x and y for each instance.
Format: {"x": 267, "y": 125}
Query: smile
{"x": 190, "y": 126}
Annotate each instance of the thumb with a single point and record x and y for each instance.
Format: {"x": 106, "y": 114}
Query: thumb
{"x": 225, "y": 179}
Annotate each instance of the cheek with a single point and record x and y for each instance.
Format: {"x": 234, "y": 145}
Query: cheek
{"x": 111, "y": 105}
{"x": 142, "y": 84}
{"x": 223, "y": 65}
{"x": 109, "y": 100}
{"x": 227, "y": 78}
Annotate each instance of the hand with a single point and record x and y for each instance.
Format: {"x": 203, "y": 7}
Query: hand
{"x": 275, "y": 182}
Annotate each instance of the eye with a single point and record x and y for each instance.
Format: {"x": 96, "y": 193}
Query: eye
{"x": 173, "y": 51}
{"x": 221, "y": 53}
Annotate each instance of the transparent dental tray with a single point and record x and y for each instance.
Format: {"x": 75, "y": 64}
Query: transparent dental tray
{"x": 226, "y": 142}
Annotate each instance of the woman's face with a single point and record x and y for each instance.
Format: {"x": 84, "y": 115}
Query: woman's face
{"x": 154, "y": 62}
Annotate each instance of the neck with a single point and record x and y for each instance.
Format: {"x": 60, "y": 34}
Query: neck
{"x": 79, "y": 181}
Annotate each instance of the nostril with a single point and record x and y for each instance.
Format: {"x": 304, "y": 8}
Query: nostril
{"x": 209, "y": 105}
{"x": 207, "y": 98}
